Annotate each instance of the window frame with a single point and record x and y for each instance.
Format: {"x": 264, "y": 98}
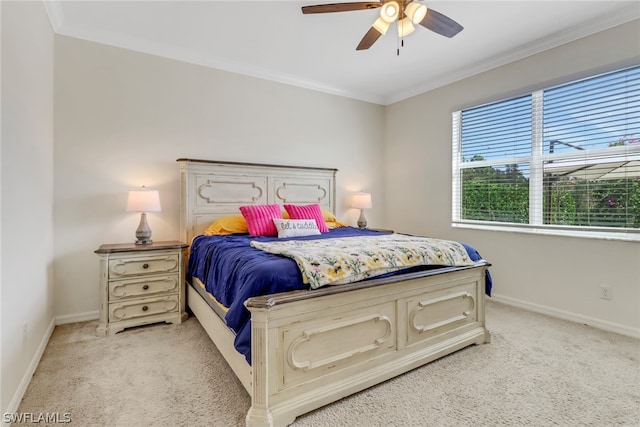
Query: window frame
{"x": 536, "y": 161}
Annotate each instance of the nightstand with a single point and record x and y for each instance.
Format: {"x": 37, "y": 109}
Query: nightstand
{"x": 141, "y": 284}
{"x": 382, "y": 230}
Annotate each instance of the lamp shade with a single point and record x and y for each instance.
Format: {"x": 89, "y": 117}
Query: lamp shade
{"x": 381, "y": 25}
{"x": 361, "y": 201}
{"x": 405, "y": 27}
{"x": 143, "y": 201}
{"x": 416, "y": 12}
{"x": 389, "y": 11}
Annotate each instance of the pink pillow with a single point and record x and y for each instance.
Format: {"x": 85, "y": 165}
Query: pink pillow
{"x": 308, "y": 212}
{"x": 260, "y": 219}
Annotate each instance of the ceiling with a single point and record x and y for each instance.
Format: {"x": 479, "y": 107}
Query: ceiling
{"x": 275, "y": 41}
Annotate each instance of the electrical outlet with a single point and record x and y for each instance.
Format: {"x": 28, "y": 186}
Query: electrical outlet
{"x": 25, "y": 335}
{"x": 605, "y": 291}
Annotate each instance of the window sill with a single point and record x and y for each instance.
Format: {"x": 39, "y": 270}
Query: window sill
{"x": 625, "y": 236}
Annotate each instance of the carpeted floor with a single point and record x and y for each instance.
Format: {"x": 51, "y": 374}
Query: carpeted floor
{"x": 537, "y": 371}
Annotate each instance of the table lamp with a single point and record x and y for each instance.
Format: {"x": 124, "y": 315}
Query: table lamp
{"x": 361, "y": 201}
{"x": 143, "y": 201}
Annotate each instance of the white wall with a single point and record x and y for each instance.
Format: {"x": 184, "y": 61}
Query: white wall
{"x": 123, "y": 118}
{"x": 557, "y": 275}
{"x": 27, "y": 194}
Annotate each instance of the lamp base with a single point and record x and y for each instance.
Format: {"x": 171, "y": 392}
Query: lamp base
{"x": 362, "y": 221}
{"x": 143, "y": 233}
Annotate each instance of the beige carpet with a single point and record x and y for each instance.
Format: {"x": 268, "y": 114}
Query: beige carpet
{"x": 537, "y": 371}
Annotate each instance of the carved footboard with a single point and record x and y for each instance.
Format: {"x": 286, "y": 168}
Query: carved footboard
{"x": 308, "y": 352}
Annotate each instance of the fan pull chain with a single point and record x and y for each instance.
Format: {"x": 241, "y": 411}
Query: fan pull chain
{"x": 400, "y": 44}
{"x": 398, "y": 40}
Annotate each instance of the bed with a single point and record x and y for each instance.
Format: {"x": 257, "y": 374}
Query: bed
{"x": 311, "y": 347}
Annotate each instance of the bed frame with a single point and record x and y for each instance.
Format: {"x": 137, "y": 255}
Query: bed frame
{"x": 311, "y": 348}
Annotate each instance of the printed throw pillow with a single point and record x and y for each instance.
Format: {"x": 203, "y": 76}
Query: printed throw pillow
{"x": 260, "y": 219}
{"x": 308, "y": 212}
{"x": 296, "y": 227}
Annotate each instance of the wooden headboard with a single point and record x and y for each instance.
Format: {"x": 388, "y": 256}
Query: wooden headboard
{"x": 211, "y": 189}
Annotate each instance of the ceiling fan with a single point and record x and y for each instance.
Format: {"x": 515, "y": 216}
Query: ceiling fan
{"x": 404, "y": 13}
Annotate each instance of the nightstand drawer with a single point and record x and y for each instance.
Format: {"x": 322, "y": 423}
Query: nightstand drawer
{"x": 143, "y": 308}
{"x": 123, "y": 267}
{"x": 143, "y": 286}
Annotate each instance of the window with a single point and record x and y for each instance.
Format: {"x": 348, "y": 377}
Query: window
{"x": 564, "y": 159}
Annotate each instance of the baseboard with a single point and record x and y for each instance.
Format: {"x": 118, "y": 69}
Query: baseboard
{"x": 75, "y": 318}
{"x": 567, "y": 315}
{"x": 26, "y": 379}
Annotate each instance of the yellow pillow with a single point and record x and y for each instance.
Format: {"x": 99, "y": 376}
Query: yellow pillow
{"x": 334, "y": 224}
{"x": 227, "y": 225}
{"x": 328, "y": 216}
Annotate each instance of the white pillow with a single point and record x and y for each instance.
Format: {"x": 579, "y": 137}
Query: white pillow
{"x": 296, "y": 227}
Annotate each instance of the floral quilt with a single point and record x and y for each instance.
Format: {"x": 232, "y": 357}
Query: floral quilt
{"x": 350, "y": 259}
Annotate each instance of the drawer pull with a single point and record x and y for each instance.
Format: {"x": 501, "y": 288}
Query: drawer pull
{"x": 145, "y": 266}
{"x": 145, "y": 308}
{"x": 145, "y": 287}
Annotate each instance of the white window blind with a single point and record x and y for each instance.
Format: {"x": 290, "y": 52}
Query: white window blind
{"x": 567, "y": 156}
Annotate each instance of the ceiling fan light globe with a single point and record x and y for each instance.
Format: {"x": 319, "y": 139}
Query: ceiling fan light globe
{"x": 416, "y": 12}
{"x": 381, "y": 25}
{"x": 405, "y": 27}
{"x": 389, "y": 11}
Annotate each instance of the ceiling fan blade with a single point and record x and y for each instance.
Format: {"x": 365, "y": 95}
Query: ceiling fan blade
{"x": 340, "y": 7}
{"x": 441, "y": 24}
{"x": 369, "y": 39}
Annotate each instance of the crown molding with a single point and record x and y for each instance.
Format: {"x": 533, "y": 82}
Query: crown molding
{"x": 624, "y": 15}
{"x": 56, "y": 18}
{"x": 54, "y": 12}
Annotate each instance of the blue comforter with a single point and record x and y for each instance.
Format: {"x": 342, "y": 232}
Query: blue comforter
{"x": 233, "y": 271}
